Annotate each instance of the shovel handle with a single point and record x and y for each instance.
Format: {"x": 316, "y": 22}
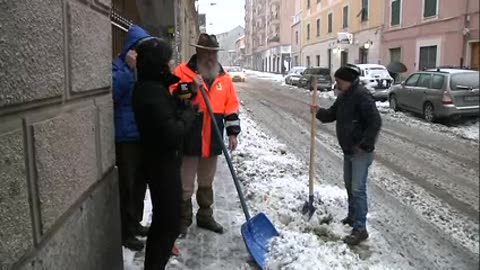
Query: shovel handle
{"x": 311, "y": 171}
{"x": 227, "y": 155}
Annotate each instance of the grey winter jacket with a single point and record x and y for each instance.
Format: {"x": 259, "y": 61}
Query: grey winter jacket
{"x": 358, "y": 120}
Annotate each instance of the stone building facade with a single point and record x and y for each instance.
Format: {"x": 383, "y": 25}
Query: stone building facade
{"x": 240, "y": 52}
{"x": 176, "y": 20}
{"x": 227, "y": 42}
{"x": 268, "y": 34}
{"x": 323, "y": 20}
{"x": 431, "y": 33}
{"x": 296, "y": 34}
{"x": 59, "y": 205}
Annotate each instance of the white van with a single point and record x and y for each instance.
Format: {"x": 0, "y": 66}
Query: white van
{"x": 377, "y": 79}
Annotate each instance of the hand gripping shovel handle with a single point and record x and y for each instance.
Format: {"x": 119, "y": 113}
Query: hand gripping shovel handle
{"x": 227, "y": 155}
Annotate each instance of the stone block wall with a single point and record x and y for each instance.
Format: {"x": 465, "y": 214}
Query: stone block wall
{"x": 59, "y": 205}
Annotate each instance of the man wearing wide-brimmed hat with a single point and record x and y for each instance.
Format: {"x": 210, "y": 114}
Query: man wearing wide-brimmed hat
{"x": 202, "y": 147}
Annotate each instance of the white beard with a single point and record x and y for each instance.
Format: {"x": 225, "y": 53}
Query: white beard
{"x": 209, "y": 73}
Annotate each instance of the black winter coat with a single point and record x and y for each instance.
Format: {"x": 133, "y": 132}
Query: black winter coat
{"x": 162, "y": 119}
{"x": 358, "y": 120}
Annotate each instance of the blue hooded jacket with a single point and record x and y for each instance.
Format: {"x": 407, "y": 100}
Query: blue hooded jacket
{"x": 123, "y": 78}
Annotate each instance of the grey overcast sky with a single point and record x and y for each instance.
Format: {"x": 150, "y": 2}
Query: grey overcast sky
{"x": 224, "y": 16}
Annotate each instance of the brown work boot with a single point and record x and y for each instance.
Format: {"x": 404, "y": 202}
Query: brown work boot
{"x": 356, "y": 237}
{"x": 185, "y": 217}
{"x": 205, "y": 213}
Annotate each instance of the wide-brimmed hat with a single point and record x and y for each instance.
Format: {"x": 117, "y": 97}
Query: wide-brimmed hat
{"x": 207, "y": 42}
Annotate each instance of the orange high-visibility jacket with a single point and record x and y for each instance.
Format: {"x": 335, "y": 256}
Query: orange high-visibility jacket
{"x": 202, "y": 140}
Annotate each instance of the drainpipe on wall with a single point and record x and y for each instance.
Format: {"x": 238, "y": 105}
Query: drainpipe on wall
{"x": 466, "y": 24}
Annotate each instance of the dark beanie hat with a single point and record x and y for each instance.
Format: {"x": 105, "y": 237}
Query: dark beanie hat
{"x": 153, "y": 57}
{"x": 347, "y": 74}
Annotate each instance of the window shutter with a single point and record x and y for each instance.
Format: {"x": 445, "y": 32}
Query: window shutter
{"x": 430, "y": 8}
{"x": 364, "y": 10}
{"x": 396, "y": 12}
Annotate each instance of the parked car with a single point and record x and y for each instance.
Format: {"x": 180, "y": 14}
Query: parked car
{"x": 237, "y": 74}
{"x": 294, "y": 75}
{"x": 438, "y": 93}
{"x": 377, "y": 79}
{"x": 324, "y": 81}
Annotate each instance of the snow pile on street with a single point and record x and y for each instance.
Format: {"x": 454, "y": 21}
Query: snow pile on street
{"x": 275, "y": 183}
{"x": 306, "y": 252}
{"x": 469, "y": 130}
{"x": 266, "y": 76}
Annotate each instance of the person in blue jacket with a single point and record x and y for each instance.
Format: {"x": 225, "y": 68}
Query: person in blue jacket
{"x": 132, "y": 180}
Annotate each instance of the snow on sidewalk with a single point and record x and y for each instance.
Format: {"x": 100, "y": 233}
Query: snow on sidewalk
{"x": 275, "y": 182}
{"x": 203, "y": 249}
{"x": 467, "y": 130}
{"x": 266, "y": 76}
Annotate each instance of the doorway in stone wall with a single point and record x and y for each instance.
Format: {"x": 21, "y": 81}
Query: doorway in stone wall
{"x": 363, "y": 56}
{"x": 343, "y": 58}
{"x": 475, "y": 55}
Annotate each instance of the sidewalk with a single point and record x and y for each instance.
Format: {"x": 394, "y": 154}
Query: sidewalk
{"x": 275, "y": 182}
{"x": 204, "y": 249}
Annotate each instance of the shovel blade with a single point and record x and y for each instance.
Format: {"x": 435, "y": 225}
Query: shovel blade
{"x": 256, "y": 233}
{"x": 309, "y": 209}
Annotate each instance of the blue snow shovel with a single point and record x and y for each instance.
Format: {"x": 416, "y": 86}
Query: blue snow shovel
{"x": 257, "y": 231}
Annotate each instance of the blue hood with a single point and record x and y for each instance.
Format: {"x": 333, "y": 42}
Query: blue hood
{"x": 135, "y": 33}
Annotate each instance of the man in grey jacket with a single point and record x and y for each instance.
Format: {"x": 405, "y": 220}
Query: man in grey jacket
{"x": 358, "y": 124}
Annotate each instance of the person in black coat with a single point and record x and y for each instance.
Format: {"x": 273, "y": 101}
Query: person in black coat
{"x": 358, "y": 124}
{"x": 163, "y": 120}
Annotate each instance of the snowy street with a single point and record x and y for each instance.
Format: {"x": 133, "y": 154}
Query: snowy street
{"x": 423, "y": 186}
{"x": 423, "y": 192}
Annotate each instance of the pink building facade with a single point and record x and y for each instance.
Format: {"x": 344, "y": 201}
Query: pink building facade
{"x": 430, "y": 33}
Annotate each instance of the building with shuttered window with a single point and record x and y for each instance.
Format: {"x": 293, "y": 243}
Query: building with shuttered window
{"x": 324, "y": 21}
{"x": 430, "y": 33}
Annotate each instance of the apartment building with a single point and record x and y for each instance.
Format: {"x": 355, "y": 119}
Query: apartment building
{"x": 429, "y": 33}
{"x": 358, "y": 23}
{"x": 268, "y": 28}
{"x": 296, "y": 34}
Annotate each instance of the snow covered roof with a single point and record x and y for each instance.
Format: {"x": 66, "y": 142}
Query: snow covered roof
{"x": 451, "y": 70}
{"x": 364, "y": 66}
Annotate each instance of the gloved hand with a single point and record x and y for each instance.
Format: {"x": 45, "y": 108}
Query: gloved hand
{"x": 185, "y": 91}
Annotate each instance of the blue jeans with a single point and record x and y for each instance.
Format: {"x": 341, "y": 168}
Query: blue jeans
{"x": 355, "y": 173}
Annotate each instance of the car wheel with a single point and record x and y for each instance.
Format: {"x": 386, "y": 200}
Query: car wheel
{"x": 429, "y": 112}
{"x": 394, "y": 103}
